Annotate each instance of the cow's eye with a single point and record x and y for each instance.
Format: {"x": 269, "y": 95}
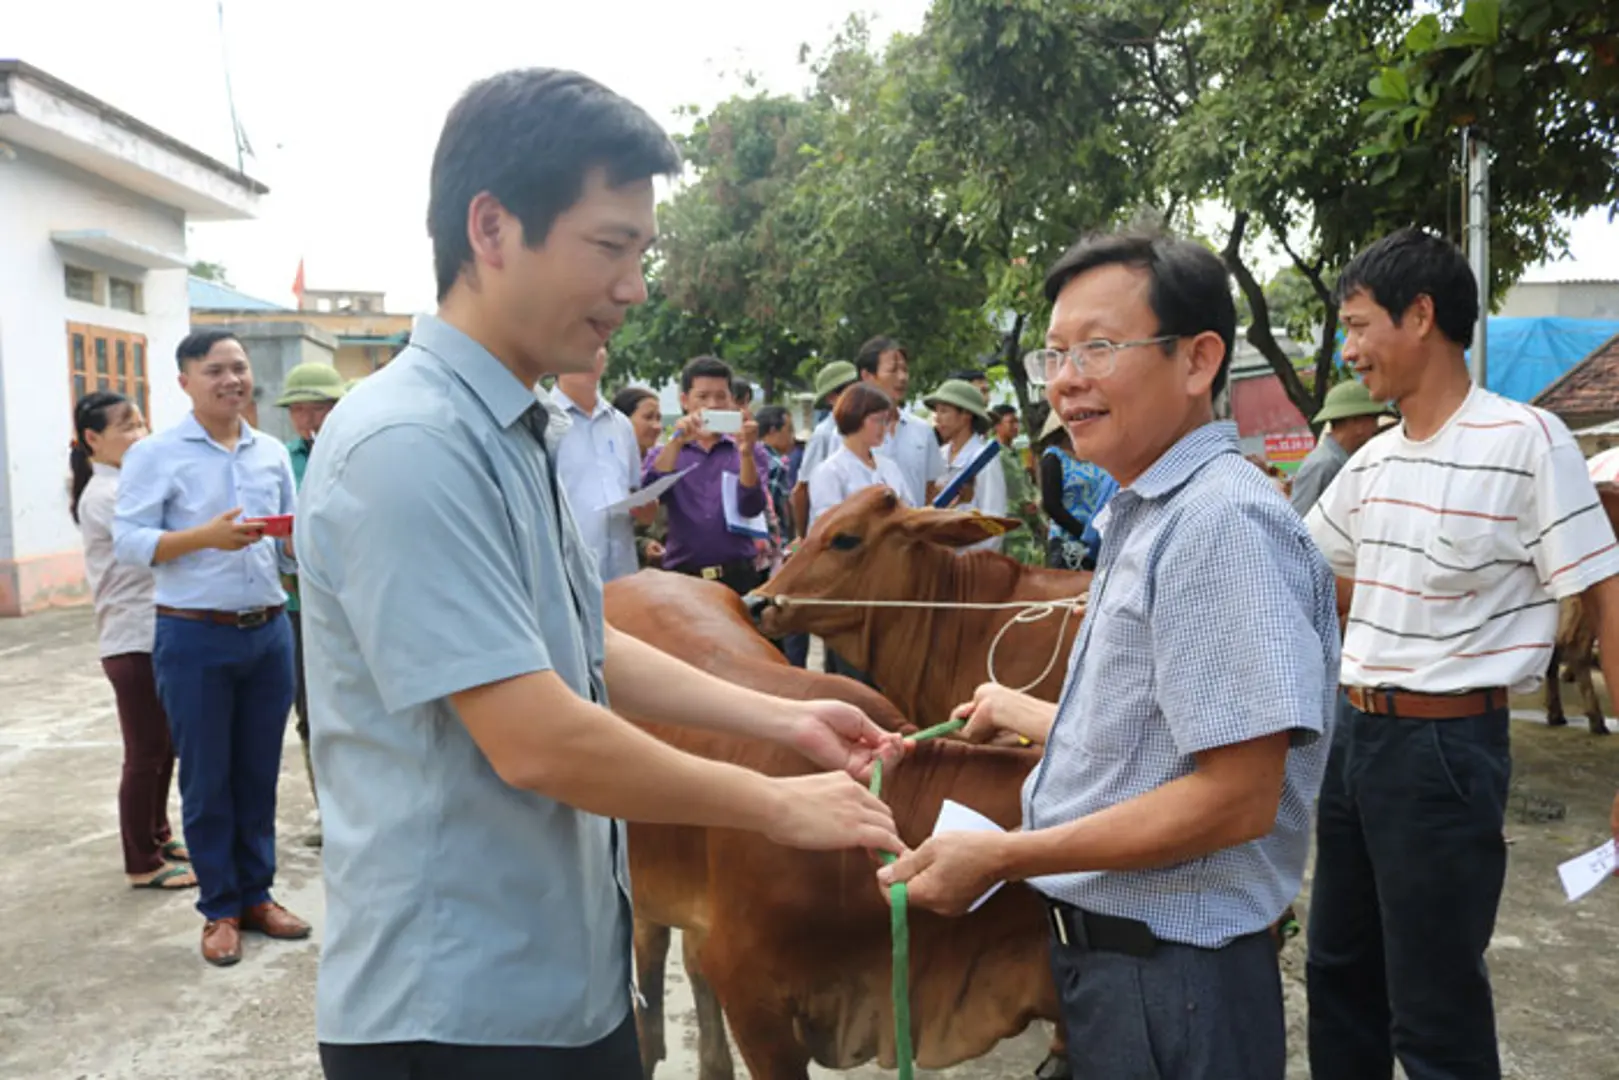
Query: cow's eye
{"x": 845, "y": 542}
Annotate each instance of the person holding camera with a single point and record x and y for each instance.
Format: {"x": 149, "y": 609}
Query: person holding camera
{"x": 717, "y": 450}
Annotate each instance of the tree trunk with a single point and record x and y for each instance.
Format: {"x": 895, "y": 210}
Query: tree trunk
{"x": 1260, "y": 335}
{"x": 1011, "y": 356}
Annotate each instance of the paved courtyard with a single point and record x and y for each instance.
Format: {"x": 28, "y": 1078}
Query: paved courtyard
{"x": 104, "y": 983}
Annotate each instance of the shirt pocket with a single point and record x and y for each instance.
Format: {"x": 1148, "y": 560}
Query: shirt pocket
{"x": 1463, "y": 556}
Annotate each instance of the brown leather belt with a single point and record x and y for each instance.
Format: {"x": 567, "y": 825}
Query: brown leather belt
{"x": 1414, "y": 706}
{"x": 242, "y": 620}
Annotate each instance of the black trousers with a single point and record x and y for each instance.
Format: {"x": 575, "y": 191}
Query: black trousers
{"x": 617, "y": 1057}
{"x": 1183, "y": 1013}
{"x": 740, "y": 575}
{"x": 1409, "y": 868}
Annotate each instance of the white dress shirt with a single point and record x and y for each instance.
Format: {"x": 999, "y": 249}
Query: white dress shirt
{"x": 989, "y": 485}
{"x": 914, "y": 447}
{"x": 843, "y": 474}
{"x": 598, "y": 464}
{"x": 122, "y": 594}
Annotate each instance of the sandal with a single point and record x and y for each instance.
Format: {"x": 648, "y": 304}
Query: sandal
{"x": 175, "y": 851}
{"x": 161, "y": 879}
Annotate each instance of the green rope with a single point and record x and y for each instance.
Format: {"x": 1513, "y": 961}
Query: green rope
{"x": 899, "y": 925}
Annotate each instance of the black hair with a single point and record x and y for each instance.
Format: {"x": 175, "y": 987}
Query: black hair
{"x": 1410, "y": 263}
{"x": 771, "y": 419}
{"x": 199, "y": 343}
{"x": 629, "y": 399}
{"x": 858, "y": 402}
{"x": 741, "y": 390}
{"x": 93, "y": 412}
{"x": 529, "y": 138}
{"x": 703, "y": 367}
{"x": 1189, "y": 289}
{"x": 865, "y": 361}
{"x": 997, "y": 413}
{"x": 970, "y": 375}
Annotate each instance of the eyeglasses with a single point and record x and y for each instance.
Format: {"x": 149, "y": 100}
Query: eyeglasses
{"x": 1094, "y": 359}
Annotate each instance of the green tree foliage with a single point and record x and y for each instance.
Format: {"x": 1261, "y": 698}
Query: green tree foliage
{"x": 210, "y": 271}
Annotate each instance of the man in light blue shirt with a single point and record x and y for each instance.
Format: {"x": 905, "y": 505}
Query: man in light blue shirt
{"x": 1167, "y": 824}
{"x": 599, "y": 463}
{"x": 914, "y": 445}
{"x": 223, "y": 654}
{"x": 472, "y": 781}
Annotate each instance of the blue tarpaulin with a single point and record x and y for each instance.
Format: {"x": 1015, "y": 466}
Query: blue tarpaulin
{"x": 1526, "y": 355}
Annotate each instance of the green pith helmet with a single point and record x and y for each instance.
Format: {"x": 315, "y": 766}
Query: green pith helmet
{"x": 311, "y": 382}
{"x": 1349, "y": 399}
{"x": 960, "y": 393}
{"x": 834, "y": 377}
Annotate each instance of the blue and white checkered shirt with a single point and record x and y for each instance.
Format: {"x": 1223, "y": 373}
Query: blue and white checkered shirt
{"x": 1212, "y": 621}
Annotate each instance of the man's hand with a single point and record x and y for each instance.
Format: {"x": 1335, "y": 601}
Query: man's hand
{"x": 687, "y": 428}
{"x": 836, "y": 735}
{"x": 829, "y": 812}
{"x": 227, "y": 534}
{"x": 654, "y": 552}
{"x": 1002, "y": 715}
{"x": 749, "y": 436}
{"x": 948, "y": 872}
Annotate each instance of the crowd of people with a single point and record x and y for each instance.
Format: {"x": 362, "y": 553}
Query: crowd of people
{"x": 419, "y": 577}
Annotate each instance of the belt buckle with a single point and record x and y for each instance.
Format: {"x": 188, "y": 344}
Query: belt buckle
{"x": 712, "y": 573}
{"x": 1058, "y": 924}
{"x": 252, "y": 620}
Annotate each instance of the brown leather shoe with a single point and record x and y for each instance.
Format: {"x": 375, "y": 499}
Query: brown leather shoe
{"x": 273, "y": 920}
{"x": 221, "y": 942}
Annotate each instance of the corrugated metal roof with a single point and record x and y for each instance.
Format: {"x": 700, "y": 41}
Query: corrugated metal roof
{"x": 212, "y": 296}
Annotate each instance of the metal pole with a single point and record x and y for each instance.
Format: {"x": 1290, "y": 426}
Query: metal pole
{"x": 1477, "y": 153}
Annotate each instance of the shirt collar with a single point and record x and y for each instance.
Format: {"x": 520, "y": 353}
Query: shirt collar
{"x": 191, "y": 428}
{"x": 101, "y": 468}
{"x": 1177, "y": 464}
{"x": 490, "y": 381}
{"x": 562, "y": 401}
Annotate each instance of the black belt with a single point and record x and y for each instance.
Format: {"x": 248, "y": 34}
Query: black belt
{"x": 716, "y": 573}
{"x": 1077, "y": 928}
{"x": 241, "y": 620}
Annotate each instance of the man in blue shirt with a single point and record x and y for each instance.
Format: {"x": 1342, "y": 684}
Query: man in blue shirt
{"x": 600, "y": 464}
{"x": 1167, "y": 823}
{"x": 223, "y": 654}
{"x": 473, "y": 783}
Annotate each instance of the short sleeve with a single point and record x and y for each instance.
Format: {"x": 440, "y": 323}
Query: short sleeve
{"x": 825, "y": 489}
{"x": 934, "y": 466}
{"x": 1565, "y": 529}
{"x": 411, "y": 538}
{"x": 1333, "y": 523}
{"x": 1246, "y": 656}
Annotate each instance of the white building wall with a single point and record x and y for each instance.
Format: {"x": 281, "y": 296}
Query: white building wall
{"x": 40, "y": 195}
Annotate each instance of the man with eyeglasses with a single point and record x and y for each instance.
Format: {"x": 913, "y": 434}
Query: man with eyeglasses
{"x": 1167, "y": 824}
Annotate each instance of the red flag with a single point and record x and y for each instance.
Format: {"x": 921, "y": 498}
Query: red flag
{"x": 298, "y": 285}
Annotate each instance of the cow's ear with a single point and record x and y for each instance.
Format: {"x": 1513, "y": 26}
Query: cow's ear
{"x": 956, "y": 528}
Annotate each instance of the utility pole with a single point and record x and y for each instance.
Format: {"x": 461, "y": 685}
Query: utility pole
{"x": 1476, "y": 214}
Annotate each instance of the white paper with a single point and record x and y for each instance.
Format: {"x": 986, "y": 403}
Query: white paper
{"x": 954, "y": 817}
{"x": 651, "y": 493}
{"x": 730, "y": 495}
{"x": 1582, "y": 874}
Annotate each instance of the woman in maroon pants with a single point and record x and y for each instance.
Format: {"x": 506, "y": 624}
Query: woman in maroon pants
{"x": 107, "y": 424}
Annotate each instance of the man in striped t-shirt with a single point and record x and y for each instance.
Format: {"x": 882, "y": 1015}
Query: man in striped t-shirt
{"x": 1453, "y": 537}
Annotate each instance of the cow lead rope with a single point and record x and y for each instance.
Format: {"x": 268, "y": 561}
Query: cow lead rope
{"x": 899, "y": 925}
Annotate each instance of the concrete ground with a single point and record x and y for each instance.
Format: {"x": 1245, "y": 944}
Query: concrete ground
{"x": 98, "y": 982}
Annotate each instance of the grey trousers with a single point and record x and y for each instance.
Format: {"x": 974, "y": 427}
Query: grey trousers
{"x": 1183, "y": 1014}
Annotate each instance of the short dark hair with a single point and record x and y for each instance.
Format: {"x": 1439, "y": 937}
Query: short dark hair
{"x": 1410, "y": 263}
{"x": 741, "y": 390}
{"x": 858, "y": 402}
{"x": 529, "y": 138}
{"x": 997, "y": 413}
{"x": 771, "y": 419}
{"x": 629, "y": 399}
{"x": 970, "y": 375}
{"x": 703, "y": 367}
{"x": 198, "y": 344}
{"x": 865, "y": 361}
{"x": 1189, "y": 289}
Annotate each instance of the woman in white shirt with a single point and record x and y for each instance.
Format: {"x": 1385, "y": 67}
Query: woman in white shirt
{"x": 108, "y": 424}
{"x": 864, "y": 415}
{"x": 961, "y": 417}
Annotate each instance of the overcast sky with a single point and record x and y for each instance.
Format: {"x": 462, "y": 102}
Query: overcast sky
{"x": 342, "y": 101}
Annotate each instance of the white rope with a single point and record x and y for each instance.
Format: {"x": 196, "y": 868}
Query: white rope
{"x": 1029, "y": 611}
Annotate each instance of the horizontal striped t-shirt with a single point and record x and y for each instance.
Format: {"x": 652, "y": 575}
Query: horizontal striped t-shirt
{"x": 1460, "y": 547}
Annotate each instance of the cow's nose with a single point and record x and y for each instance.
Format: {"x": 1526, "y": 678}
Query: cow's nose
{"x": 756, "y": 605}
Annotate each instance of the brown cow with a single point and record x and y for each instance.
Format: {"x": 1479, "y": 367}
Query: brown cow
{"x": 926, "y": 661}
{"x": 1573, "y": 656}
{"x": 704, "y": 624}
